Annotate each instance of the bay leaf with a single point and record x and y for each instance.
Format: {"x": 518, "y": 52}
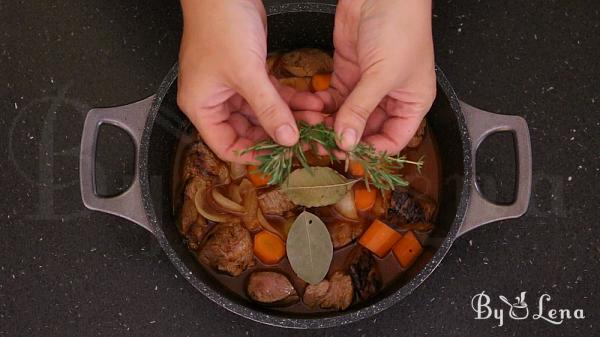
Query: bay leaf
{"x": 309, "y": 248}
{"x": 319, "y": 186}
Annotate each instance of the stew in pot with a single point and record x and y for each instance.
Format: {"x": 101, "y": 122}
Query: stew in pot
{"x": 324, "y": 237}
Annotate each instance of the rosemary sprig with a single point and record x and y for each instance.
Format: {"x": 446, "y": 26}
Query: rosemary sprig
{"x": 381, "y": 169}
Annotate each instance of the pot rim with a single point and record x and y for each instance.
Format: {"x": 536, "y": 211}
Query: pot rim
{"x": 344, "y": 317}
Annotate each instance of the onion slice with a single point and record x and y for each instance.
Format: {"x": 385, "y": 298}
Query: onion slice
{"x": 234, "y": 193}
{"x": 346, "y": 206}
{"x": 266, "y": 225}
{"x": 199, "y": 202}
{"x": 226, "y": 203}
{"x": 250, "y": 198}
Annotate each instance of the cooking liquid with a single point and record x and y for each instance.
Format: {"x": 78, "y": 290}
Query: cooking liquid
{"x": 426, "y": 182}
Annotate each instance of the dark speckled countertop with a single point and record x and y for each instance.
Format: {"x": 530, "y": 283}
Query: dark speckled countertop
{"x": 67, "y": 271}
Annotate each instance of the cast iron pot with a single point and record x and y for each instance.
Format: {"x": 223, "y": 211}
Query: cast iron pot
{"x": 155, "y": 125}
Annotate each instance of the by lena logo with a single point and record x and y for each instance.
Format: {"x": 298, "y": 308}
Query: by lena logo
{"x": 519, "y": 310}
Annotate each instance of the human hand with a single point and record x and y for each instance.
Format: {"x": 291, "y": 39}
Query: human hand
{"x": 383, "y": 81}
{"x": 223, "y": 85}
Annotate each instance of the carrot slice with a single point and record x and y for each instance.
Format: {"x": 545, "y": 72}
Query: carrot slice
{"x": 364, "y": 198}
{"x": 379, "y": 238}
{"x": 407, "y": 249}
{"x": 320, "y": 82}
{"x": 257, "y": 178}
{"x": 268, "y": 247}
{"x": 356, "y": 169}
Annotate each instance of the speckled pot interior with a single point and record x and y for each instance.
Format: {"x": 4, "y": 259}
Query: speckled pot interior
{"x": 293, "y": 26}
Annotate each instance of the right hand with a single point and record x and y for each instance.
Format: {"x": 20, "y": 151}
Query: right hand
{"x": 383, "y": 80}
{"x": 223, "y": 85}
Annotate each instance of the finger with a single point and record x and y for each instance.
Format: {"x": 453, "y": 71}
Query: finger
{"x": 271, "y": 110}
{"x": 395, "y": 133}
{"x": 310, "y": 117}
{"x": 374, "y": 122}
{"x": 298, "y": 100}
{"x": 213, "y": 126}
{"x": 352, "y": 116}
{"x": 329, "y": 121}
{"x": 331, "y": 98}
{"x": 244, "y": 128}
{"x": 302, "y": 100}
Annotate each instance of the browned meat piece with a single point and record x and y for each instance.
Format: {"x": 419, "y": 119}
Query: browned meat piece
{"x": 306, "y": 62}
{"x": 195, "y": 184}
{"x": 364, "y": 272}
{"x": 405, "y": 208}
{"x": 201, "y": 161}
{"x": 196, "y": 233}
{"x": 272, "y": 64}
{"x": 334, "y": 293}
{"x": 228, "y": 249}
{"x": 416, "y": 140}
{"x": 342, "y": 233}
{"x": 273, "y": 288}
{"x": 315, "y": 293}
{"x": 187, "y": 215}
{"x": 275, "y": 202}
{"x": 298, "y": 83}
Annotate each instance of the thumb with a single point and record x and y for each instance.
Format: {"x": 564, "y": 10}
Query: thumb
{"x": 352, "y": 116}
{"x": 271, "y": 110}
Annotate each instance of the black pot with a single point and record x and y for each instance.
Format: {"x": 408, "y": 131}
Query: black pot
{"x": 155, "y": 125}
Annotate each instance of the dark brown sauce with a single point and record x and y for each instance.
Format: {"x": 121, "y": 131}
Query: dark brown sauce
{"x": 426, "y": 182}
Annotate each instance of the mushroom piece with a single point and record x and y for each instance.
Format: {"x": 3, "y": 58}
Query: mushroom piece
{"x": 406, "y": 208}
{"x": 365, "y": 274}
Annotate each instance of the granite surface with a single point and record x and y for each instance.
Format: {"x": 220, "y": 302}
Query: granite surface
{"x": 67, "y": 271}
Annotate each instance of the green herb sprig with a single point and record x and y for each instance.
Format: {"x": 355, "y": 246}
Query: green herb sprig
{"x": 381, "y": 169}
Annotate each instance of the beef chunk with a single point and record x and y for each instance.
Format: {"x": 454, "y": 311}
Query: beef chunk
{"x": 187, "y": 215}
{"x": 298, "y": 83}
{"x": 342, "y": 233}
{"x": 269, "y": 287}
{"x": 405, "y": 208}
{"x": 305, "y": 62}
{"x": 228, "y": 249}
{"x": 201, "y": 161}
{"x": 275, "y": 202}
{"x": 365, "y": 274}
{"x": 315, "y": 293}
{"x": 195, "y": 184}
{"x": 334, "y": 293}
{"x": 196, "y": 233}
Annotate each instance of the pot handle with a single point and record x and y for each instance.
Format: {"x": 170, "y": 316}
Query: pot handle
{"x": 131, "y": 118}
{"x": 482, "y": 124}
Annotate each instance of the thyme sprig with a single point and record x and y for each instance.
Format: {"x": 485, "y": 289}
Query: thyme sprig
{"x": 381, "y": 169}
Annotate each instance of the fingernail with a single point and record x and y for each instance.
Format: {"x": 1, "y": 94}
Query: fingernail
{"x": 348, "y": 139}
{"x": 285, "y": 135}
